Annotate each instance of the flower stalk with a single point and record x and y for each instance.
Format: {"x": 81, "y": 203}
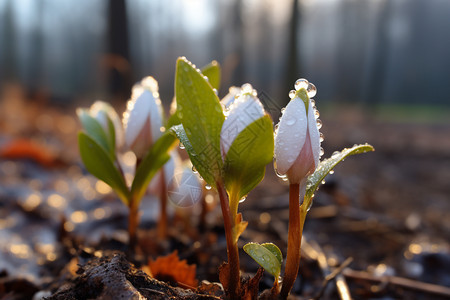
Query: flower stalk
{"x": 232, "y": 248}
{"x": 296, "y": 221}
{"x": 162, "y": 223}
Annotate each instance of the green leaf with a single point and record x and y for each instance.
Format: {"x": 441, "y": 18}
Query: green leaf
{"x": 212, "y": 71}
{"x": 100, "y": 164}
{"x": 112, "y": 136}
{"x": 196, "y": 160}
{"x": 173, "y": 120}
{"x": 155, "y": 158}
{"x": 94, "y": 129}
{"x": 201, "y": 114}
{"x": 246, "y": 160}
{"x": 327, "y": 165}
{"x": 267, "y": 255}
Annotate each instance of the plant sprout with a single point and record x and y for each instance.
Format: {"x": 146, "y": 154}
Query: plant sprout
{"x": 230, "y": 153}
{"x": 229, "y": 143}
{"x": 98, "y": 146}
{"x": 297, "y": 153}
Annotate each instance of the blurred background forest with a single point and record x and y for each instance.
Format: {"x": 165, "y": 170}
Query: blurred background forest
{"x": 370, "y": 52}
{"x": 382, "y": 70}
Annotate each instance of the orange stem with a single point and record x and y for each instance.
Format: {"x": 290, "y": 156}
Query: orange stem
{"x": 232, "y": 249}
{"x": 294, "y": 241}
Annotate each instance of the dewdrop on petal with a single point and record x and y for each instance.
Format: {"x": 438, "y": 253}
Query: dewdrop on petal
{"x": 297, "y": 140}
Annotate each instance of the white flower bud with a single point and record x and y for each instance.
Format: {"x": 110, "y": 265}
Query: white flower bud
{"x": 101, "y": 110}
{"x": 297, "y": 140}
{"x": 143, "y": 118}
{"x": 245, "y": 110}
{"x": 229, "y": 98}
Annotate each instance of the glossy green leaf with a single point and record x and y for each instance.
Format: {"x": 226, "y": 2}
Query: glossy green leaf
{"x": 173, "y": 120}
{"x": 212, "y": 71}
{"x": 100, "y": 164}
{"x": 246, "y": 160}
{"x": 95, "y": 130}
{"x": 156, "y": 157}
{"x": 197, "y": 160}
{"x": 111, "y": 136}
{"x": 327, "y": 165}
{"x": 267, "y": 255}
{"x": 201, "y": 114}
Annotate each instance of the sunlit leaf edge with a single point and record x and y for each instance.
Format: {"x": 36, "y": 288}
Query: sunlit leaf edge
{"x": 328, "y": 164}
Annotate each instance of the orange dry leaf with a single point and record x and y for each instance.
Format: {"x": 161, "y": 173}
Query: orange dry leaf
{"x": 171, "y": 269}
{"x": 28, "y": 149}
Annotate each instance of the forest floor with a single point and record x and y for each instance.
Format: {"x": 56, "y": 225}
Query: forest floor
{"x": 379, "y": 227}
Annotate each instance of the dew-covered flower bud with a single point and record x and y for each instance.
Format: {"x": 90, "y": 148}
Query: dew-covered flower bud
{"x": 297, "y": 137}
{"x": 229, "y": 98}
{"x": 245, "y": 109}
{"x": 143, "y": 118}
{"x": 101, "y": 111}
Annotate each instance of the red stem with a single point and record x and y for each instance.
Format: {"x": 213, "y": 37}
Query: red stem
{"x": 294, "y": 241}
{"x": 232, "y": 249}
{"x": 133, "y": 220}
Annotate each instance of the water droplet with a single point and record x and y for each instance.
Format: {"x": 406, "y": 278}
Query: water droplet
{"x": 335, "y": 153}
{"x": 311, "y": 203}
{"x": 282, "y": 176}
{"x": 208, "y": 187}
{"x": 321, "y": 151}
{"x": 321, "y": 138}
{"x": 313, "y": 103}
{"x": 301, "y": 83}
{"x": 246, "y": 88}
{"x": 316, "y": 114}
{"x": 182, "y": 146}
{"x": 194, "y": 170}
{"x": 242, "y": 199}
{"x": 290, "y": 121}
{"x": 319, "y": 123}
{"x": 206, "y": 78}
{"x": 331, "y": 172}
{"x": 311, "y": 90}
{"x": 283, "y": 110}
{"x": 291, "y": 94}
{"x": 323, "y": 181}
{"x": 215, "y": 92}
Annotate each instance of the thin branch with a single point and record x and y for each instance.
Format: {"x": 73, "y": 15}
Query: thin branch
{"x": 400, "y": 282}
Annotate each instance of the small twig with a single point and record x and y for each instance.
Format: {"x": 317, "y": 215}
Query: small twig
{"x": 342, "y": 287}
{"x": 332, "y": 276}
{"x": 399, "y": 281}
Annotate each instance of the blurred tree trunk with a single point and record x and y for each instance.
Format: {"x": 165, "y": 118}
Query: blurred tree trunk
{"x": 239, "y": 72}
{"x": 9, "y": 33}
{"x": 293, "y": 71}
{"x": 118, "y": 60}
{"x": 378, "y": 65}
